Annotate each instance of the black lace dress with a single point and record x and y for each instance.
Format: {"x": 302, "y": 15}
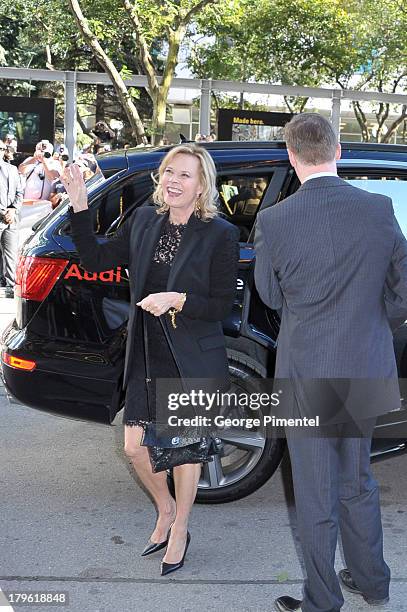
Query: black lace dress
{"x": 137, "y": 410}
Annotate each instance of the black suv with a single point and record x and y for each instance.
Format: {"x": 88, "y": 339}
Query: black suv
{"x": 64, "y": 351}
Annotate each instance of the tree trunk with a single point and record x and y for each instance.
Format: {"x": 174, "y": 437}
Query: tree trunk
{"x": 48, "y": 53}
{"x": 295, "y": 105}
{"x": 158, "y": 120}
{"x": 158, "y": 92}
{"x": 81, "y": 123}
{"x": 108, "y": 66}
{"x": 100, "y": 103}
{"x": 362, "y": 121}
{"x": 288, "y": 104}
{"x": 160, "y": 97}
{"x": 393, "y": 127}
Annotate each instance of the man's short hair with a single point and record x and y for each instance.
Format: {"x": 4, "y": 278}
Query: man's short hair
{"x": 311, "y": 138}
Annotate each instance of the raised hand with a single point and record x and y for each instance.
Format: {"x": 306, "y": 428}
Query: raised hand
{"x": 72, "y": 180}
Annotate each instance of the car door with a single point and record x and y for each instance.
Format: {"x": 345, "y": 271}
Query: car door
{"x": 388, "y": 179}
{"x": 243, "y": 191}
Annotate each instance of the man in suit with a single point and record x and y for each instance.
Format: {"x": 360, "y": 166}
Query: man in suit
{"x": 333, "y": 258}
{"x": 11, "y": 197}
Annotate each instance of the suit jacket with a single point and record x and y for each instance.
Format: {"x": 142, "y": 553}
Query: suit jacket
{"x": 205, "y": 268}
{"x": 12, "y": 190}
{"x": 333, "y": 257}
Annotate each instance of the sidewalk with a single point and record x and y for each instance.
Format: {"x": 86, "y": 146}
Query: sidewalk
{"x": 87, "y": 521}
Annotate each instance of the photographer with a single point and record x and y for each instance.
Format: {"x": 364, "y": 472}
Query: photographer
{"x": 11, "y": 197}
{"x": 61, "y": 158}
{"x": 88, "y": 166}
{"x": 39, "y": 171}
{"x": 103, "y": 136}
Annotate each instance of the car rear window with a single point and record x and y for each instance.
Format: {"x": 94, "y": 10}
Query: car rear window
{"x": 395, "y": 187}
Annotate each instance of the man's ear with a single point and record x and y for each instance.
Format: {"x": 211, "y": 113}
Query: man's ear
{"x": 292, "y": 158}
{"x": 338, "y": 151}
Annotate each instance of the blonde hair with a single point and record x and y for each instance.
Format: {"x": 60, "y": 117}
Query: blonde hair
{"x": 205, "y": 207}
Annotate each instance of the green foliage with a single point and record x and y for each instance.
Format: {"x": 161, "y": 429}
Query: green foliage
{"x": 294, "y": 42}
{"x": 298, "y": 42}
{"x": 356, "y": 44}
{"x": 301, "y": 42}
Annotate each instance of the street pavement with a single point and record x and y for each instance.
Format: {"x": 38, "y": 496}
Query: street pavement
{"x": 74, "y": 519}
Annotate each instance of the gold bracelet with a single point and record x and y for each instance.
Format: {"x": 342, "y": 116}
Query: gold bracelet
{"x": 173, "y": 311}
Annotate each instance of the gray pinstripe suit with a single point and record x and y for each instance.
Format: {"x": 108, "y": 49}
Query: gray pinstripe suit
{"x": 335, "y": 260}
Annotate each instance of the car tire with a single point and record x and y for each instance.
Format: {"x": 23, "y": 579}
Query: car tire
{"x": 252, "y": 472}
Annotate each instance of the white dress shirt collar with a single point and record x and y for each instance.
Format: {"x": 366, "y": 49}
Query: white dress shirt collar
{"x": 318, "y": 174}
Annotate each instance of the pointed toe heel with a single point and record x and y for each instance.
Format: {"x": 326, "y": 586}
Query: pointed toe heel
{"x": 167, "y": 568}
{"x": 152, "y": 547}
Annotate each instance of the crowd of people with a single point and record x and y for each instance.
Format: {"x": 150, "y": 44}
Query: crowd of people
{"x": 205, "y": 137}
{"x": 30, "y": 186}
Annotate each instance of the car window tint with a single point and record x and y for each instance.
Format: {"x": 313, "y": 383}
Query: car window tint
{"x": 395, "y": 187}
{"x": 112, "y": 206}
{"x": 239, "y": 199}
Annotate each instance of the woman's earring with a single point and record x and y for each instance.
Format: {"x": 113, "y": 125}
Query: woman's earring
{"x": 198, "y": 211}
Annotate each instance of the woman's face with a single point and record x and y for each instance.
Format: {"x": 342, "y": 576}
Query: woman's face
{"x": 181, "y": 183}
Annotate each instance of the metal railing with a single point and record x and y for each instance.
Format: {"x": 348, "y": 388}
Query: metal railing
{"x": 206, "y": 86}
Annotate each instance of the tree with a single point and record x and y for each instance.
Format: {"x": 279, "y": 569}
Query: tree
{"x": 119, "y": 36}
{"x": 59, "y": 45}
{"x": 311, "y": 43}
{"x": 167, "y": 21}
{"x": 290, "y": 42}
{"x": 385, "y": 69}
{"x": 357, "y": 44}
{"x": 108, "y": 65}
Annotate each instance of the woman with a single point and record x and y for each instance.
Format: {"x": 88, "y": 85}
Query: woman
{"x": 182, "y": 258}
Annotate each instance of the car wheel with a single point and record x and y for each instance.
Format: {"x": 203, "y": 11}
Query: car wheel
{"x": 250, "y": 458}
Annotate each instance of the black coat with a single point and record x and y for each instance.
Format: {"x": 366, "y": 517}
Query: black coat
{"x": 205, "y": 268}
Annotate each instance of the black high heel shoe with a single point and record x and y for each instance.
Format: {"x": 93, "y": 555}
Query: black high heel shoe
{"x": 167, "y": 568}
{"x": 152, "y": 547}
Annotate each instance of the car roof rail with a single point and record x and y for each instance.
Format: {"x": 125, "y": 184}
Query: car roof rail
{"x": 374, "y": 146}
{"x": 255, "y": 144}
{"x": 280, "y": 144}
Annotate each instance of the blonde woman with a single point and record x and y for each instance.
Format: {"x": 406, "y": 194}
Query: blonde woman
{"x": 181, "y": 258}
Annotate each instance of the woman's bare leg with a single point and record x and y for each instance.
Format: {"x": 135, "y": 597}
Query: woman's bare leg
{"x": 186, "y": 478}
{"x": 156, "y": 484}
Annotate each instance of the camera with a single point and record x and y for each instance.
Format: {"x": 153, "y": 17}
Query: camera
{"x": 64, "y": 157}
{"x": 47, "y": 154}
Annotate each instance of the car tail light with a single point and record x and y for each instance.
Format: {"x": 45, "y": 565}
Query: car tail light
{"x": 18, "y": 363}
{"x": 36, "y": 276}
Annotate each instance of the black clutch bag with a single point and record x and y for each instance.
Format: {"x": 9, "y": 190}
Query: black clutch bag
{"x": 168, "y": 450}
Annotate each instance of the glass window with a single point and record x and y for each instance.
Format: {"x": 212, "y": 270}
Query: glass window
{"x": 112, "y": 206}
{"x": 239, "y": 199}
{"x": 395, "y": 187}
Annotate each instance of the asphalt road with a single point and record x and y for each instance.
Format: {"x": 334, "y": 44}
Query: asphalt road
{"x": 74, "y": 519}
